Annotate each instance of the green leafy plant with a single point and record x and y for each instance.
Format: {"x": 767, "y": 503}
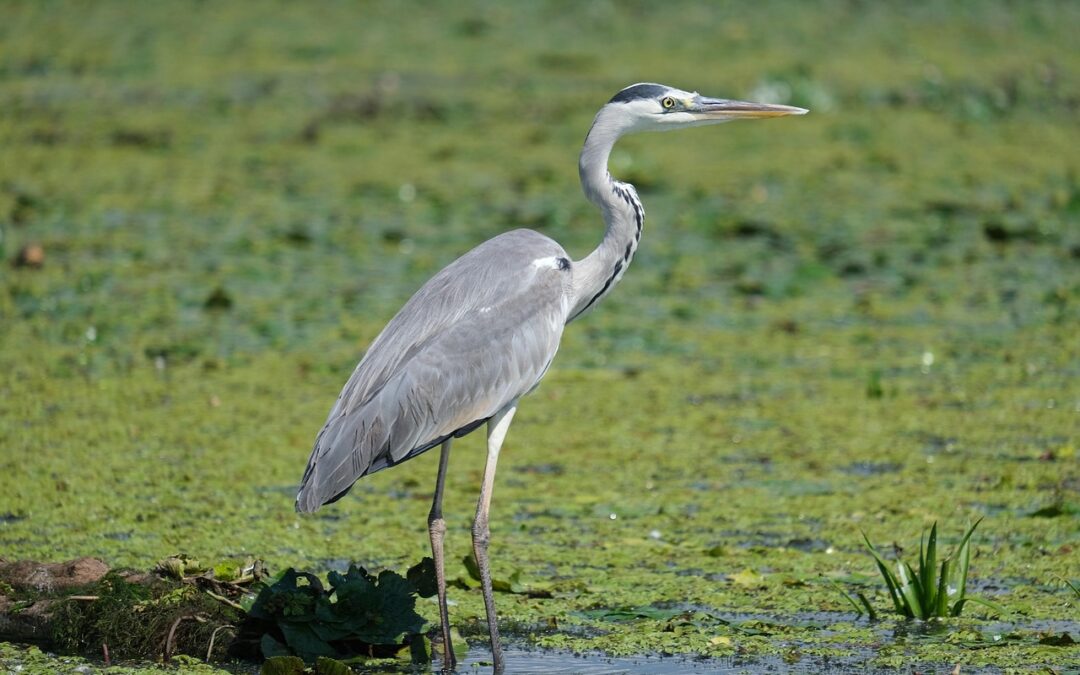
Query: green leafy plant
{"x": 934, "y": 589}
{"x": 357, "y": 614}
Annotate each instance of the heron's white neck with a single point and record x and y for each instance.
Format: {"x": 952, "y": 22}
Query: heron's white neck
{"x": 597, "y": 273}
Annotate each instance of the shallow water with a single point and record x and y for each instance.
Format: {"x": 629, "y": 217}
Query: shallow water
{"x": 526, "y": 662}
{"x": 529, "y": 662}
{"x": 521, "y": 661}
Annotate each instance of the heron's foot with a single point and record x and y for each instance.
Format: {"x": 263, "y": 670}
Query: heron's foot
{"x": 441, "y": 643}
{"x": 449, "y": 660}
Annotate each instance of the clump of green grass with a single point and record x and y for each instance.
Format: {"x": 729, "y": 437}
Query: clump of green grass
{"x": 133, "y": 620}
{"x": 933, "y": 590}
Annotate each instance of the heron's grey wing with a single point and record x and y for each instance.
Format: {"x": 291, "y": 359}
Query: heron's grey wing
{"x": 480, "y": 334}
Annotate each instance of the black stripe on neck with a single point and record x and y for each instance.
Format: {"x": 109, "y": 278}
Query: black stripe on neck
{"x": 607, "y": 285}
{"x": 624, "y": 192}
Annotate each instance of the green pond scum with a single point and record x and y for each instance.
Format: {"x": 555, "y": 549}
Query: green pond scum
{"x": 861, "y": 320}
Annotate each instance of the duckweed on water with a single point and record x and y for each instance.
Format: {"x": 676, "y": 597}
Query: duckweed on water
{"x": 864, "y": 319}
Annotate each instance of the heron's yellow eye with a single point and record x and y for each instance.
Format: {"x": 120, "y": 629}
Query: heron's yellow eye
{"x": 668, "y": 103}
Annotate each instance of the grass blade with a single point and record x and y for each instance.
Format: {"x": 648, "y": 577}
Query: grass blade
{"x": 909, "y": 590}
{"x": 869, "y": 608}
{"x": 963, "y": 558}
{"x": 890, "y": 580}
{"x": 928, "y": 572}
{"x": 841, "y": 591}
{"x": 985, "y": 603}
{"x": 941, "y": 604}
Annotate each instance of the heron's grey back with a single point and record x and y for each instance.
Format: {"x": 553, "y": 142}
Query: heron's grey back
{"x": 478, "y": 335}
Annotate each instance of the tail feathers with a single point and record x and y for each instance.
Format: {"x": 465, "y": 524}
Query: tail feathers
{"x": 306, "y": 501}
{"x": 348, "y": 447}
{"x": 375, "y": 435}
{"x": 394, "y": 426}
{"x": 327, "y": 478}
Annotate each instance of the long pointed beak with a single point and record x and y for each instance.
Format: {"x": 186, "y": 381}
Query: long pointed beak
{"x": 719, "y": 108}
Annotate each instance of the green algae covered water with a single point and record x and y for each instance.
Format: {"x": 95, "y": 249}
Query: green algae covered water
{"x": 864, "y": 319}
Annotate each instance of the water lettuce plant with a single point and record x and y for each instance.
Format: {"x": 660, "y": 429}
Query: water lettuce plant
{"x": 930, "y": 591}
{"x": 357, "y": 614}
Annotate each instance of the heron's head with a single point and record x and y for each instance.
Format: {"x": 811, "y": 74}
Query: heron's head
{"x": 656, "y": 107}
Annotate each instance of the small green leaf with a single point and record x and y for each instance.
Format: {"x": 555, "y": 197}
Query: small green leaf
{"x": 632, "y": 613}
{"x": 748, "y": 578}
{"x": 328, "y": 666}
{"x": 282, "y": 665}
{"x": 226, "y": 570}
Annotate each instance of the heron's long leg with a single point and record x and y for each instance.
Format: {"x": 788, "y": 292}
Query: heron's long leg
{"x": 437, "y": 530}
{"x": 497, "y": 427}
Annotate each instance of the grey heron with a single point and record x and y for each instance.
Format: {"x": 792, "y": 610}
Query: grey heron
{"x": 482, "y": 332}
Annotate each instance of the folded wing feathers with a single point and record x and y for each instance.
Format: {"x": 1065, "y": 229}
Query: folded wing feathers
{"x": 479, "y": 334}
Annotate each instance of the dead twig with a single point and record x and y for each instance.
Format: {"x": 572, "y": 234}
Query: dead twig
{"x": 170, "y": 641}
{"x": 222, "y": 598}
{"x": 213, "y": 636}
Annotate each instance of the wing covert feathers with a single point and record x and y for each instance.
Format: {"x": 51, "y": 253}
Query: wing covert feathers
{"x": 478, "y": 335}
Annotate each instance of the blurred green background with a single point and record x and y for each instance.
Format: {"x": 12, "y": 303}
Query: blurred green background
{"x": 862, "y": 318}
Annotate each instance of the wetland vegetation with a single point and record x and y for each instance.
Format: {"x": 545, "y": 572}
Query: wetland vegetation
{"x": 864, "y": 319}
